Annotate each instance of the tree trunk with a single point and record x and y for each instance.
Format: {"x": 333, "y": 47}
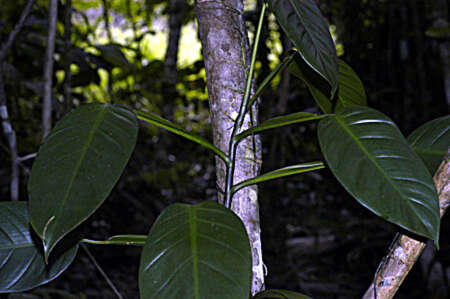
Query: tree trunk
{"x": 226, "y": 54}
{"x": 177, "y": 9}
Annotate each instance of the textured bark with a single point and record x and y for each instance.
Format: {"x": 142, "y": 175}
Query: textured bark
{"x": 48, "y": 69}
{"x": 404, "y": 250}
{"x": 226, "y": 54}
{"x": 8, "y": 130}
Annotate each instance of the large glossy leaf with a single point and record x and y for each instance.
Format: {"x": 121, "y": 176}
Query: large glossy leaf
{"x": 196, "y": 251}
{"x": 305, "y": 26}
{"x": 373, "y": 161}
{"x": 350, "y": 92}
{"x": 431, "y": 141}
{"x": 22, "y": 264}
{"x": 279, "y": 173}
{"x": 174, "y": 128}
{"x": 77, "y": 167}
{"x": 279, "y": 294}
{"x": 280, "y": 121}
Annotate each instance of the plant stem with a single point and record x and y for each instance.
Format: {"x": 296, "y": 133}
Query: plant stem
{"x": 242, "y": 111}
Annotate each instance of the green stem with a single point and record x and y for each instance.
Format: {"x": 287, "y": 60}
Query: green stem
{"x": 286, "y": 61}
{"x": 242, "y": 110}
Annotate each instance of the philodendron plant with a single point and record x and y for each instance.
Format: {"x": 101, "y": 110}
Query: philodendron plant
{"x": 202, "y": 251}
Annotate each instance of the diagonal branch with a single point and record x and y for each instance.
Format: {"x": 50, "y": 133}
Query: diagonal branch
{"x": 8, "y": 131}
{"x": 405, "y": 251}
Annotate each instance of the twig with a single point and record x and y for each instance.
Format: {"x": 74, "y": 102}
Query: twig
{"x": 103, "y": 273}
{"x": 68, "y": 56}
{"x": 16, "y": 30}
{"x": 48, "y": 69}
{"x": 404, "y": 250}
{"x": 4, "y": 116}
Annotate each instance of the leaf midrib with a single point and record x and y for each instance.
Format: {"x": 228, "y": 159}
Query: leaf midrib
{"x": 85, "y": 148}
{"x": 193, "y": 234}
{"x": 371, "y": 158}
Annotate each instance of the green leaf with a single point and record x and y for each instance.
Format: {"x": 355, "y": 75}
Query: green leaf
{"x": 22, "y": 264}
{"x": 114, "y": 55}
{"x": 279, "y": 121}
{"x": 431, "y": 141}
{"x": 196, "y": 251}
{"x": 174, "y": 128}
{"x": 305, "y": 26}
{"x": 280, "y": 294}
{"x": 77, "y": 167}
{"x": 350, "y": 93}
{"x": 279, "y": 173}
{"x": 373, "y": 161}
{"x": 135, "y": 240}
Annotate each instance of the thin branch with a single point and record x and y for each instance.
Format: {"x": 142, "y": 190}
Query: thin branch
{"x": 16, "y": 30}
{"x": 48, "y": 69}
{"x": 405, "y": 251}
{"x": 103, "y": 273}
{"x": 8, "y": 130}
{"x": 68, "y": 56}
{"x": 110, "y": 40}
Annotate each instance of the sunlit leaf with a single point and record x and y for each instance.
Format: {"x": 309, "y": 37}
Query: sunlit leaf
{"x": 114, "y": 55}
{"x": 350, "y": 92}
{"x": 431, "y": 141}
{"x": 373, "y": 161}
{"x": 22, "y": 263}
{"x": 174, "y": 128}
{"x": 305, "y": 26}
{"x": 280, "y": 294}
{"x": 280, "y": 121}
{"x": 196, "y": 251}
{"x": 279, "y": 173}
{"x": 77, "y": 167}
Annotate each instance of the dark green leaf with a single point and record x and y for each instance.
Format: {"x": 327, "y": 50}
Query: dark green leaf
{"x": 431, "y": 141}
{"x": 350, "y": 93}
{"x": 305, "y": 26}
{"x": 279, "y": 294}
{"x": 279, "y": 173}
{"x": 279, "y": 121}
{"x": 22, "y": 264}
{"x": 137, "y": 240}
{"x": 370, "y": 157}
{"x": 199, "y": 251}
{"x": 77, "y": 167}
{"x": 174, "y": 128}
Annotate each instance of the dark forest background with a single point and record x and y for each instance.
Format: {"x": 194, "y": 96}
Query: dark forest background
{"x": 316, "y": 239}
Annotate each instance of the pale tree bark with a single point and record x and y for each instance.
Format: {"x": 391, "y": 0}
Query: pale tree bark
{"x": 8, "y": 130}
{"x": 405, "y": 251}
{"x": 226, "y": 54}
{"x": 48, "y": 69}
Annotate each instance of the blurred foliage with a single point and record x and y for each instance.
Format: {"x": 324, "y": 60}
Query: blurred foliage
{"x": 316, "y": 240}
